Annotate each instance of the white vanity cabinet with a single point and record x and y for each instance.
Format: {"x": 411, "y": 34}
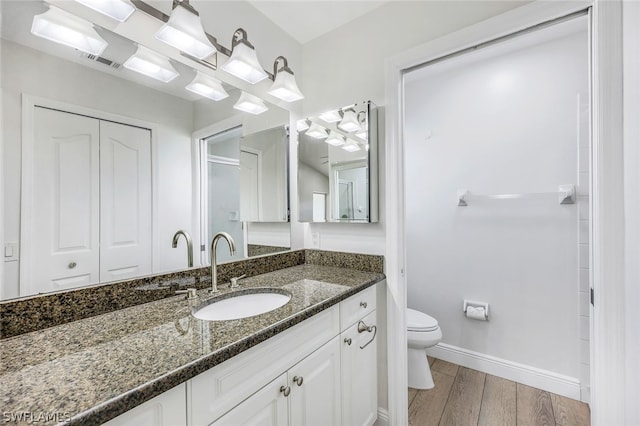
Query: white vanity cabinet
{"x": 167, "y": 409}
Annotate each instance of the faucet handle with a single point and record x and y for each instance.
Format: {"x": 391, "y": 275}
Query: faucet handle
{"x": 190, "y": 292}
{"x": 234, "y": 281}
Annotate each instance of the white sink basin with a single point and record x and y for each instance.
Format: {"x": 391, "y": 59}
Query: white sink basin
{"x": 242, "y": 304}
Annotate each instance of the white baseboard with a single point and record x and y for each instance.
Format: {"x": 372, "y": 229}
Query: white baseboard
{"x": 527, "y": 375}
{"x": 383, "y": 417}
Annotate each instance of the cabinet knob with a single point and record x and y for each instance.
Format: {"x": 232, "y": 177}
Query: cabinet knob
{"x": 286, "y": 390}
{"x": 347, "y": 340}
{"x": 363, "y": 304}
{"x": 72, "y": 265}
{"x": 298, "y": 380}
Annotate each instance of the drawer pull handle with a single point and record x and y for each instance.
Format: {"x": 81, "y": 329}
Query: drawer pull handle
{"x": 363, "y": 304}
{"x": 362, "y": 327}
{"x": 286, "y": 390}
{"x": 298, "y": 380}
{"x": 72, "y": 265}
{"x": 347, "y": 340}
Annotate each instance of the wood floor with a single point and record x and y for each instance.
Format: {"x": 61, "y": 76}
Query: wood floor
{"x": 468, "y": 397}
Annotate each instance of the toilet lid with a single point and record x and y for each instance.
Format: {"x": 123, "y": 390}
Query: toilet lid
{"x": 419, "y": 321}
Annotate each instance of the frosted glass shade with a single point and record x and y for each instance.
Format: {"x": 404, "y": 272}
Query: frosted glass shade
{"x": 65, "y": 28}
{"x": 251, "y": 104}
{"x": 147, "y": 62}
{"x": 120, "y": 10}
{"x": 317, "y": 131}
{"x": 207, "y": 86}
{"x": 284, "y": 87}
{"x": 244, "y": 64}
{"x": 349, "y": 122}
{"x": 351, "y": 146}
{"x": 184, "y": 32}
{"x": 330, "y": 116}
{"x": 335, "y": 139}
{"x": 302, "y": 125}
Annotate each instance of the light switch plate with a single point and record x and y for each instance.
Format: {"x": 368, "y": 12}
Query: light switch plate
{"x": 11, "y": 251}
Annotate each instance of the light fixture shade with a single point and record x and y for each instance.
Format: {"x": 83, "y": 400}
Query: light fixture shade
{"x": 207, "y": 86}
{"x": 244, "y": 64}
{"x": 284, "y": 87}
{"x": 251, "y": 104}
{"x": 335, "y": 139}
{"x": 147, "y": 62}
{"x": 120, "y": 10}
{"x": 302, "y": 125}
{"x": 65, "y": 28}
{"x": 330, "y": 116}
{"x": 317, "y": 131}
{"x": 349, "y": 121}
{"x": 351, "y": 146}
{"x": 184, "y": 32}
{"x": 362, "y": 134}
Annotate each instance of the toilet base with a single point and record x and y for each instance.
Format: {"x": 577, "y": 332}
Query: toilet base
{"x": 419, "y": 370}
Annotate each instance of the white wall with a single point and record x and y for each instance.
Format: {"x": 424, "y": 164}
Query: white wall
{"x": 498, "y": 124}
{"x": 347, "y": 66}
{"x": 22, "y": 72}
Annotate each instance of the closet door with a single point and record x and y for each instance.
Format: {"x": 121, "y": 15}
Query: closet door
{"x": 125, "y": 198}
{"x": 63, "y": 229}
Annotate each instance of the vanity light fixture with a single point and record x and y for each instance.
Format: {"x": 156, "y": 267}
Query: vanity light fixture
{"x": 362, "y": 134}
{"x": 184, "y": 31}
{"x": 351, "y": 146}
{"x": 243, "y": 62}
{"x": 250, "y": 103}
{"x": 207, "y": 86}
{"x": 65, "y": 28}
{"x": 147, "y": 62}
{"x": 349, "y": 121}
{"x": 302, "y": 125}
{"x": 335, "y": 139}
{"x": 317, "y": 131}
{"x": 284, "y": 85}
{"x": 120, "y": 10}
{"x": 331, "y": 116}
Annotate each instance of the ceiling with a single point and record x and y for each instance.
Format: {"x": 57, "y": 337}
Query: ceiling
{"x": 305, "y": 20}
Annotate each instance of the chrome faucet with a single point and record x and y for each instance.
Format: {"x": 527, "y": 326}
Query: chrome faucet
{"x": 187, "y": 237}
{"x": 214, "y": 266}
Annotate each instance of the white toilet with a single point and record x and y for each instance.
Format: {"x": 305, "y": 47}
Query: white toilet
{"x": 422, "y": 333}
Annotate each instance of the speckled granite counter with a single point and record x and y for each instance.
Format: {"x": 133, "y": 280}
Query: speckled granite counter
{"x": 96, "y": 368}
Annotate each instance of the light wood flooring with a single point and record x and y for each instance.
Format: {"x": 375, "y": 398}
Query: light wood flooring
{"x": 462, "y": 396}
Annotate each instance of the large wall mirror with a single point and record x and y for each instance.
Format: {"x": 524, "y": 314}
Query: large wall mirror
{"x": 338, "y": 165}
{"x": 102, "y": 165}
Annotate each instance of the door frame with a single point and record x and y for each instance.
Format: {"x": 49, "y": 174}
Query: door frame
{"x": 607, "y": 343}
{"x": 29, "y": 103}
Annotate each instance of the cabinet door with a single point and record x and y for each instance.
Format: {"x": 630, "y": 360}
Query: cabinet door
{"x": 267, "y": 407}
{"x": 167, "y": 409}
{"x": 359, "y": 375}
{"x": 315, "y": 388}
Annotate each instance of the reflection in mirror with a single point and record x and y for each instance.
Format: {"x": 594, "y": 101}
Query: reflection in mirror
{"x": 337, "y": 165}
{"x": 120, "y": 175}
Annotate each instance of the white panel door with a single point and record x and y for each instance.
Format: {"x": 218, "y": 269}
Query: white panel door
{"x": 267, "y": 407}
{"x": 64, "y": 229}
{"x": 167, "y": 409}
{"x": 249, "y": 186}
{"x": 125, "y": 197}
{"x": 315, "y": 388}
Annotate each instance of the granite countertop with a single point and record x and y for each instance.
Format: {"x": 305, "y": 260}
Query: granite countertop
{"x": 91, "y": 370}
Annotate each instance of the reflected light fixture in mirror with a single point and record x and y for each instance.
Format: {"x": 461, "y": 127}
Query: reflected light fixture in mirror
{"x": 317, "y": 131}
{"x": 284, "y": 86}
{"x": 331, "y": 116}
{"x": 349, "y": 121}
{"x": 335, "y": 139}
{"x": 65, "y": 28}
{"x": 207, "y": 86}
{"x": 120, "y": 10}
{"x": 147, "y": 62}
{"x": 351, "y": 146}
{"x": 243, "y": 62}
{"x": 184, "y": 31}
{"x": 302, "y": 125}
{"x": 250, "y": 103}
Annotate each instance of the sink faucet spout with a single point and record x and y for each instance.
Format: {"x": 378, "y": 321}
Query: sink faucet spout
{"x": 187, "y": 237}
{"x": 214, "y": 266}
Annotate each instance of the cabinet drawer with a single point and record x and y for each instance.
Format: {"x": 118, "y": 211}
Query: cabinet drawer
{"x": 357, "y": 306}
{"x": 216, "y": 391}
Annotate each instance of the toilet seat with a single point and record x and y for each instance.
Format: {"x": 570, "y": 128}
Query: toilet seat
{"x": 419, "y": 321}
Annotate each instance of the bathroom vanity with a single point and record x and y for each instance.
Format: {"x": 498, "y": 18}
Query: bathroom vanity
{"x": 315, "y": 358}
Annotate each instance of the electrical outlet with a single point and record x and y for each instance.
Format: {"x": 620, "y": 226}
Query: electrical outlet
{"x": 10, "y": 251}
{"x": 315, "y": 239}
